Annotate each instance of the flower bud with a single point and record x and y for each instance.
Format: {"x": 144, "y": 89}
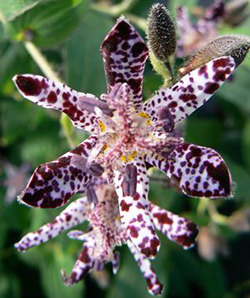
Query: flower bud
{"x": 161, "y": 32}
{"x": 235, "y": 46}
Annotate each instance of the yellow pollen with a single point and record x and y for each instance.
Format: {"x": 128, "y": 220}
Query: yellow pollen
{"x": 143, "y": 115}
{"x": 102, "y": 126}
{"x": 124, "y": 158}
{"x": 104, "y": 147}
{"x": 148, "y": 122}
{"x": 130, "y": 157}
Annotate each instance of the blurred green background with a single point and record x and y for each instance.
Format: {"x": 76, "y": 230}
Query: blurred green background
{"x": 69, "y": 34}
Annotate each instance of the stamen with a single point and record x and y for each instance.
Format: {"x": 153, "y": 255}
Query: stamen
{"x": 167, "y": 119}
{"x": 89, "y": 104}
{"x": 95, "y": 169}
{"x": 129, "y": 180}
{"x": 116, "y": 262}
{"x": 91, "y": 196}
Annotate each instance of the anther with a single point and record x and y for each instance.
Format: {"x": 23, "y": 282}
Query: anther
{"x": 89, "y": 104}
{"x": 129, "y": 180}
{"x": 95, "y": 169}
{"x": 91, "y": 196}
{"x": 167, "y": 119}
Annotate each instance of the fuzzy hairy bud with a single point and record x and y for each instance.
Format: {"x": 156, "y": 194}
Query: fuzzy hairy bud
{"x": 235, "y": 46}
{"x": 161, "y": 32}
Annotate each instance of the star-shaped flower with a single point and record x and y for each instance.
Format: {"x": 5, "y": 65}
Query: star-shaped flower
{"x": 194, "y": 36}
{"x": 106, "y": 232}
{"x": 128, "y": 134}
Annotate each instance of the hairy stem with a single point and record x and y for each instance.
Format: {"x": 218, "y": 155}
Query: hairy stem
{"x": 122, "y": 8}
{"x": 114, "y": 10}
{"x": 41, "y": 61}
{"x": 49, "y": 72}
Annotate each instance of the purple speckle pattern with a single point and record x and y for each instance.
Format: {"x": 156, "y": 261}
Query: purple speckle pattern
{"x": 73, "y": 215}
{"x": 124, "y": 54}
{"x": 57, "y": 96}
{"x": 53, "y": 184}
{"x": 176, "y": 228}
{"x": 200, "y": 171}
{"x": 135, "y": 215}
{"x": 106, "y": 231}
{"x": 154, "y": 286}
{"x": 192, "y": 91}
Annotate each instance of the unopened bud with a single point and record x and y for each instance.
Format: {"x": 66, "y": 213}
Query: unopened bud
{"x": 161, "y": 32}
{"x": 235, "y": 46}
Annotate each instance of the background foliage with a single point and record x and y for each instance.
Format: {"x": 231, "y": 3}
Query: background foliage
{"x": 69, "y": 34}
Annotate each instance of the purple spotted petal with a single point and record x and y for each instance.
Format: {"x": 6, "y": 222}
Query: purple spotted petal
{"x": 54, "y": 183}
{"x": 186, "y": 30}
{"x": 200, "y": 171}
{"x": 192, "y": 91}
{"x": 124, "y": 54}
{"x": 176, "y": 228}
{"x": 84, "y": 263}
{"x": 58, "y": 96}
{"x": 154, "y": 286}
{"x": 134, "y": 212}
{"x": 214, "y": 13}
{"x": 73, "y": 215}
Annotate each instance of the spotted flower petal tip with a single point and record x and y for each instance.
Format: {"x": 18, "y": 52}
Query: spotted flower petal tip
{"x": 200, "y": 171}
{"x": 124, "y": 55}
{"x": 178, "y": 229}
{"x": 54, "y": 183}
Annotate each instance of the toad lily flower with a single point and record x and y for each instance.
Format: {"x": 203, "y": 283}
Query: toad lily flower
{"x": 106, "y": 232}
{"x": 127, "y": 134}
{"x": 195, "y": 36}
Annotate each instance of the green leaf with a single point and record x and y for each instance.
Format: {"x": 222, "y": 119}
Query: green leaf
{"x": 175, "y": 3}
{"x": 126, "y": 284}
{"x": 237, "y": 91}
{"x": 184, "y": 270}
{"x": 51, "y": 259}
{"x": 246, "y": 143}
{"x": 48, "y": 22}
{"x": 241, "y": 178}
{"x": 207, "y": 126}
{"x": 13, "y": 8}
{"x": 14, "y": 124}
{"x": 9, "y": 286}
{"x": 40, "y": 149}
{"x": 14, "y": 59}
{"x": 213, "y": 279}
{"x": 84, "y": 64}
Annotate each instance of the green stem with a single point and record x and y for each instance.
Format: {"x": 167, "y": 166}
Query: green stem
{"x": 48, "y": 71}
{"x": 122, "y": 8}
{"x": 41, "y": 61}
{"x": 139, "y": 22}
{"x": 208, "y": 206}
{"x": 114, "y": 10}
{"x": 215, "y": 215}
